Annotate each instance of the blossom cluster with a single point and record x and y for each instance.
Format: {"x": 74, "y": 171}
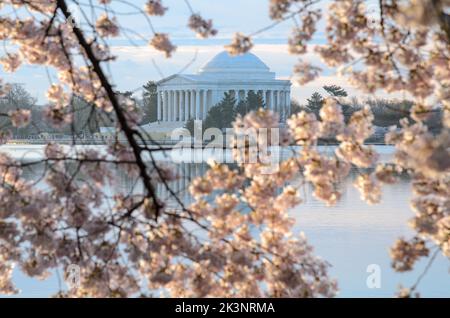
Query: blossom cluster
{"x": 241, "y": 44}
{"x": 203, "y": 28}
{"x": 155, "y": 7}
{"x": 235, "y": 239}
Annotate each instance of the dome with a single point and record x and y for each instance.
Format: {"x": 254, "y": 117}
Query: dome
{"x": 245, "y": 64}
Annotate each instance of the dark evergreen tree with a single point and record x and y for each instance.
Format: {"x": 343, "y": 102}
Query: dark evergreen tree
{"x": 189, "y": 125}
{"x": 315, "y": 103}
{"x": 389, "y": 112}
{"x": 296, "y": 107}
{"x": 219, "y": 116}
{"x": 150, "y": 103}
{"x": 253, "y": 101}
{"x": 128, "y": 94}
{"x": 16, "y": 98}
{"x": 222, "y": 115}
{"x": 335, "y": 91}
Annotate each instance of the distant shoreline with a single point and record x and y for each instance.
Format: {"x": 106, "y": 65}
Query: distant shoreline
{"x": 82, "y": 142}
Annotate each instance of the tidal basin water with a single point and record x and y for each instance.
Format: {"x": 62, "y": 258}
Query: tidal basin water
{"x": 351, "y": 236}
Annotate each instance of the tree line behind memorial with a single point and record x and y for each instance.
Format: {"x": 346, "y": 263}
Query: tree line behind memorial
{"x": 87, "y": 119}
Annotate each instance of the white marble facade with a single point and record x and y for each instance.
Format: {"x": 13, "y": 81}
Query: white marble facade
{"x": 183, "y": 97}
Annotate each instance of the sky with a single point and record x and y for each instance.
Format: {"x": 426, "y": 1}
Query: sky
{"x": 136, "y": 60}
{"x": 135, "y": 66}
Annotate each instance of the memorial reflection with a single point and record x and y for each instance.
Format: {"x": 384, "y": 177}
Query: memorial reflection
{"x": 126, "y": 184}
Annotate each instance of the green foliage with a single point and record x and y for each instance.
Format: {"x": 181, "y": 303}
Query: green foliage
{"x": 189, "y": 125}
{"x": 86, "y": 117}
{"x": 252, "y": 102}
{"x": 315, "y": 103}
{"x": 16, "y": 98}
{"x": 150, "y": 103}
{"x": 335, "y": 91}
{"x": 296, "y": 107}
{"x": 222, "y": 115}
{"x": 128, "y": 94}
{"x": 219, "y": 116}
{"x": 389, "y": 112}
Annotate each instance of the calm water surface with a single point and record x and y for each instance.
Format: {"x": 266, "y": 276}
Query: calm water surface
{"x": 351, "y": 236}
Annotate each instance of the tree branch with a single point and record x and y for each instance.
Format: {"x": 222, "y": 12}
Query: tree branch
{"x": 128, "y": 131}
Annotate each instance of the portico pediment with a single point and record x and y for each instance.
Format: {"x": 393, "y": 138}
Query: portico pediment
{"x": 176, "y": 80}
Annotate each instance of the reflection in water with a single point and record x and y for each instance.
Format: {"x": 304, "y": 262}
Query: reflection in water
{"x": 351, "y": 236}
{"x": 186, "y": 173}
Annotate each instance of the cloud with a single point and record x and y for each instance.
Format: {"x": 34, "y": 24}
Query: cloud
{"x": 138, "y": 61}
{"x": 274, "y": 55}
{"x": 136, "y": 65}
{"x": 301, "y": 93}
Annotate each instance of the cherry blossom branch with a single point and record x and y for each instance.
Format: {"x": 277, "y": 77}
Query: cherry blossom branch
{"x": 128, "y": 131}
{"x": 426, "y": 269}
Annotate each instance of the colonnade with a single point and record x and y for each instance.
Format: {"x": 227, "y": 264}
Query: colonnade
{"x": 183, "y": 105}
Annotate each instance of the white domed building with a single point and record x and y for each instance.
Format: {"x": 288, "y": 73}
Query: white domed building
{"x": 183, "y": 97}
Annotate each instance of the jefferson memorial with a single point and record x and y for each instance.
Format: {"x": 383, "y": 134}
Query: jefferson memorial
{"x": 182, "y": 97}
